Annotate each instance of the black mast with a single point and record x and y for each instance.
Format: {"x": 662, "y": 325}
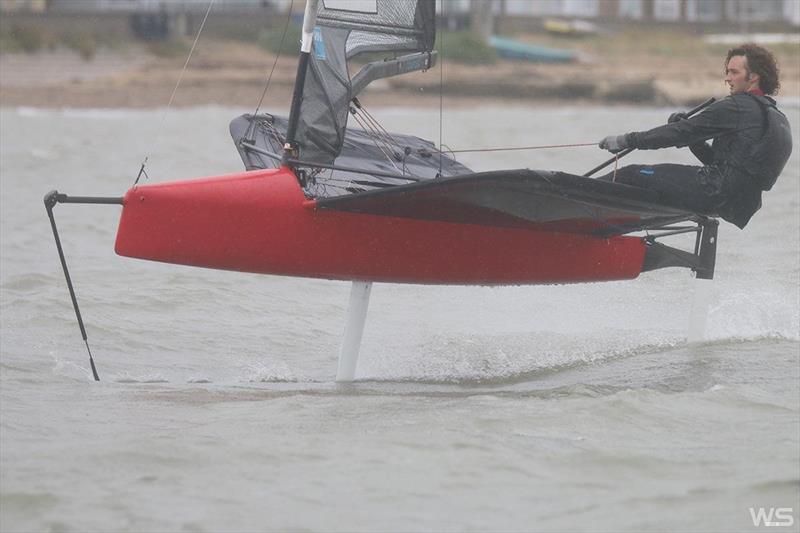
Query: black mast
{"x": 309, "y": 21}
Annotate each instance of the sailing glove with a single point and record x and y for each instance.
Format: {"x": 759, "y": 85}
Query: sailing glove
{"x": 677, "y": 117}
{"x": 614, "y": 143}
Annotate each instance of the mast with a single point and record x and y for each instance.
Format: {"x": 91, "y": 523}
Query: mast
{"x": 309, "y": 21}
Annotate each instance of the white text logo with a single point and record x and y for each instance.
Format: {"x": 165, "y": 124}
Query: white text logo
{"x": 773, "y": 516}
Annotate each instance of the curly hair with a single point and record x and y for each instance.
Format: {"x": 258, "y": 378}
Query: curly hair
{"x": 759, "y": 61}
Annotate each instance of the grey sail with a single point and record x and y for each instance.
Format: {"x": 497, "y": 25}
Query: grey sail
{"x": 402, "y": 31}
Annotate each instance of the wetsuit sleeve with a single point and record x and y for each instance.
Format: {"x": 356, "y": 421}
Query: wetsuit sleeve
{"x": 720, "y": 118}
{"x": 703, "y": 152}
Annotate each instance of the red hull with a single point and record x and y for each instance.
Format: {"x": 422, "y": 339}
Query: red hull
{"x": 260, "y": 222}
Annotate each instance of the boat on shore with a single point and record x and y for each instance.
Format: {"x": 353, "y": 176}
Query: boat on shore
{"x": 520, "y": 51}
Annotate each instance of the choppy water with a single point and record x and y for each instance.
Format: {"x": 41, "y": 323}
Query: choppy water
{"x": 520, "y": 408}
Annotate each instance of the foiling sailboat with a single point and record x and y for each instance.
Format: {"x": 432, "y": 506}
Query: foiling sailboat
{"x": 321, "y": 200}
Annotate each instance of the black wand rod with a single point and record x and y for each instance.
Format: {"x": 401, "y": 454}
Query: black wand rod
{"x": 625, "y": 152}
{"x": 50, "y": 201}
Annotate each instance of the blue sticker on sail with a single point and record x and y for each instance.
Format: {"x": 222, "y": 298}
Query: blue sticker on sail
{"x": 319, "y": 45}
{"x": 647, "y": 171}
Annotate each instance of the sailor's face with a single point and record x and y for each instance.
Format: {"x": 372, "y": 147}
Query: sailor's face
{"x": 738, "y": 77}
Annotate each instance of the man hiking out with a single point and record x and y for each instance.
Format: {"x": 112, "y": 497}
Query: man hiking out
{"x": 751, "y": 142}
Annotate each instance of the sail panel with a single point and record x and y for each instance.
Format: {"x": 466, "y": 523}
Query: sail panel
{"x": 363, "y": 41}
{"x": 345, "y": 29}
{"x": 405, "y": 17}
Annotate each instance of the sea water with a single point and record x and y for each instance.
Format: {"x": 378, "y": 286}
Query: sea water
{"x": 535, "y": 408}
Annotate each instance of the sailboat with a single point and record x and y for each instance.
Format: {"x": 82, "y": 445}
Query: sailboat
{"x": 320, "y": 199}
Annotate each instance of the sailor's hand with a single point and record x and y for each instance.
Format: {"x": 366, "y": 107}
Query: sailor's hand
{"x": 614, "y": 143}
{"x": 677, "y": 117}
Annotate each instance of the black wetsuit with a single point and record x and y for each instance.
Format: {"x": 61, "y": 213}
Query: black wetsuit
{"x": 751, "y": 144}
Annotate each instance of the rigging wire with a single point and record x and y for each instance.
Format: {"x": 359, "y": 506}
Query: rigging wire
{"x": 452, "y": 153}
{"x": 507, "y": 149}
{"x": 372, "y": 132}
{"x": 386, "y": 150}
{"x": 277, "y": 56}
{"x": 378, "y": 126}
{"x": 174, "y": 91}
{"x": 376, "y": 133}
{"x": 380, "y": 132}
{"x": 441, "y": 79}
{"x": 360, "y": 147}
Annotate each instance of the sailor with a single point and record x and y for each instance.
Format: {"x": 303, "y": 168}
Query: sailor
{"x": 751, "y": 142}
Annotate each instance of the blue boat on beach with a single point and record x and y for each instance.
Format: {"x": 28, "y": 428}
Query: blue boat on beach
{"x": 519, "y": 51}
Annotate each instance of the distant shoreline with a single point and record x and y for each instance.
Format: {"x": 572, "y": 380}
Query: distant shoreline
{"x": 228, "y": 73}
